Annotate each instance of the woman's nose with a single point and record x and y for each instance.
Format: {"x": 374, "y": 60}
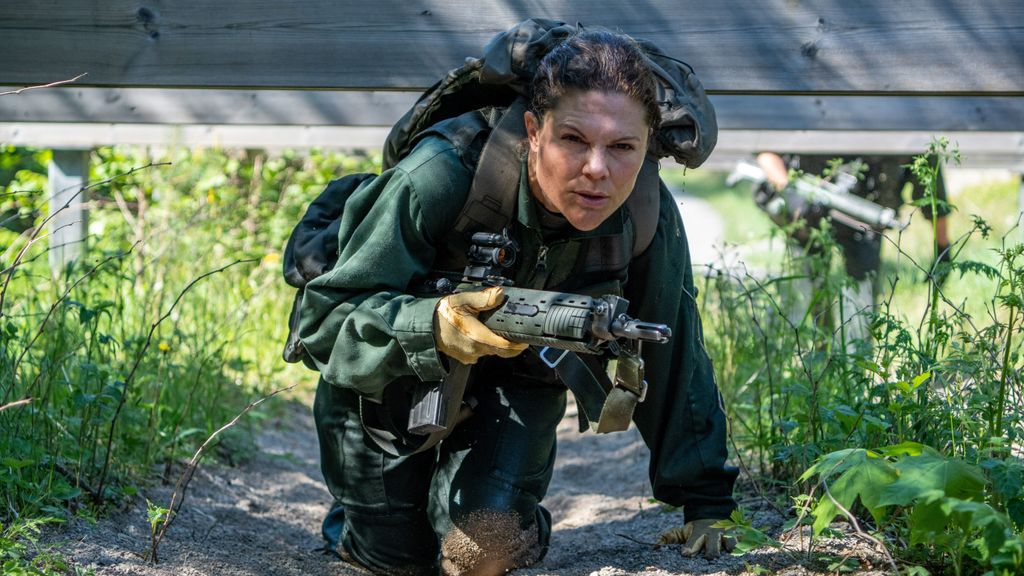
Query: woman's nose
{"x": 596, "y": 164}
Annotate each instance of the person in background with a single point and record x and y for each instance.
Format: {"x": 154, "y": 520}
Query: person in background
{"x": 880, "y": 179}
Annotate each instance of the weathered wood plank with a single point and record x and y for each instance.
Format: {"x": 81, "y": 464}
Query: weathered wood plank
{"x": 198, "y": 106}
{"x": 76, "y": 135}
{"x": 979, "y": 149}
{"x": 884, "y": 113}
{"x": 869, "y": 46}
{"x": 342, "y": 108}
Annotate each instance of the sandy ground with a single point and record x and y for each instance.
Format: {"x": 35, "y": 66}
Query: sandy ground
{"x": 262, "y": 517}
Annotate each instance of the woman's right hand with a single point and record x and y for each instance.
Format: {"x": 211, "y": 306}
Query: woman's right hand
{"x": 460, "y": 335}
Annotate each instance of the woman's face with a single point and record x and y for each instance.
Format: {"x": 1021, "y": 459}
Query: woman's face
{"x": 585, "y": 155}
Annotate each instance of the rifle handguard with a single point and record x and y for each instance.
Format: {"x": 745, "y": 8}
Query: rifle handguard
{"x": 541, "y": 318}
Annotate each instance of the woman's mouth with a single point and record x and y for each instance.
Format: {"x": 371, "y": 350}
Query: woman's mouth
{"x": 591, "y": 199}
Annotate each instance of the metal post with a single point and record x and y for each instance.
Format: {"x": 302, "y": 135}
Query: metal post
{"x": 69, "y": 172}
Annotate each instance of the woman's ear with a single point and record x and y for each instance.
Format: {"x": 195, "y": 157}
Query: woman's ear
{"x": 532, "y": 128}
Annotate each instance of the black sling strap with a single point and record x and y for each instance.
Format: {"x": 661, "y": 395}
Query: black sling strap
{"x": 492, "y": 196}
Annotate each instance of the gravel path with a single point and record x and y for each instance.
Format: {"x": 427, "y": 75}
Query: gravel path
{"x": 261, "y": 518}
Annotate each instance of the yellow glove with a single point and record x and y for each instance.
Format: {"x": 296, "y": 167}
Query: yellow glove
{"x": 460, "y": 335}
{"x": 699, "y": 535}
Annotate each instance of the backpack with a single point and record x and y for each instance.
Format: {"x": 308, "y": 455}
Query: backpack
{"x": 479, "y": 107}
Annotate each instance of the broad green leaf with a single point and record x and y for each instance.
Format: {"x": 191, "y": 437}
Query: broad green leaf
{"x": 836, "y": 462}
{"x": 876, "y": 423}
{"x": 15, "y": 463}
{"x": 994, "y": 527}
{"x": 81, "y": 400}
{"x": 908, "y": 448}
{"x": 1011, "y": 555}
{"x": 919, "y": 380}
{"x": 1015, "y": 509}
{"x": 864, "y": 480}
{"x": 1007, "y": 478}
{"x": 187, "y": 433}
{"x": 921, "y": 475}
{"x": 845, "y": 410}
{"x": 903, "y": 387}
{"x": 928, "y": 518}
{"x": 53, "y": 511}
{"x": 65, "y": 491}
{"x": 868, "y": 365}
{"x": 155, "y": 514}
{"x": 748, "y": 537}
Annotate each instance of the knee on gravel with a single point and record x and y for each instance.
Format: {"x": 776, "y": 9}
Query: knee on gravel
{"x": 489, "y": 542}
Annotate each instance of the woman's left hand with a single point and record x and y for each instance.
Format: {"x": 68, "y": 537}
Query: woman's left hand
{"x": 700, "y": 535}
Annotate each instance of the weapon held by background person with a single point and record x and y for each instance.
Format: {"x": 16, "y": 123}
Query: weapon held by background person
{"x": 833, "y": 196}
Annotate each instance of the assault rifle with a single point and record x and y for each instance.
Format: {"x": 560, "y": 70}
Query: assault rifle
{"x": 549, "y": 320}
{"x": 834, "y": 196}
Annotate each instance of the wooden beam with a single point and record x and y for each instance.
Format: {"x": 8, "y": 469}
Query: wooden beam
{"x": 338, "y": 108}
{"x": 60, "y": 135}
{"x": 883, "y": 113}
{"x": 198, "y": 106}
{"x": 979, "y": 149}
{"x": 819, "y": 46}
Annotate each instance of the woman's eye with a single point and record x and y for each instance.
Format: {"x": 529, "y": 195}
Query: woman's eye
{"x": 624, "y": 146}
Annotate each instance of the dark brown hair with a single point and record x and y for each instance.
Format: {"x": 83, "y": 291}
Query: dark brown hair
{"x": 595, "y": 60}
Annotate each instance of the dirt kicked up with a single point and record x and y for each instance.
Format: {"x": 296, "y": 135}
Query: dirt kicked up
{"x": 261, "y": 518}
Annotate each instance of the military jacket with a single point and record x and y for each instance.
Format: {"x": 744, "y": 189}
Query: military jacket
{"x": 365, "y": 327}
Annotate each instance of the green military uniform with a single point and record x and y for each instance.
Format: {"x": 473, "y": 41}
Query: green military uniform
{"x": 367, "y": 332}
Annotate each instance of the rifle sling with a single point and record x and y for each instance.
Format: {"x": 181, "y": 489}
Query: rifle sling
{"x": 617, "y": 412}
{"x": 629, "y": 389}
{"x": 492, "y": 195}
{"x": 603, "y": 407}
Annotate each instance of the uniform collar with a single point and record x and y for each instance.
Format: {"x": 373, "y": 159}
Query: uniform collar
{"x": 529, "y": 208}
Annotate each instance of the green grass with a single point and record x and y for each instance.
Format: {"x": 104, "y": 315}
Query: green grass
{"x": 995, "y": 202}
{"x": 173, "y": 321}
{"x": 940, "y": 379}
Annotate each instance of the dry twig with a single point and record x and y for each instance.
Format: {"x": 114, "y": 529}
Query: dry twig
{"x": 178, "y": 496}
{"x": 654, "y": 545}
{"x": 50, "y": 85}
{"x": 138, "y": 360}
{"x": 859, "y": 532}
{"x": 21, "y": 402}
